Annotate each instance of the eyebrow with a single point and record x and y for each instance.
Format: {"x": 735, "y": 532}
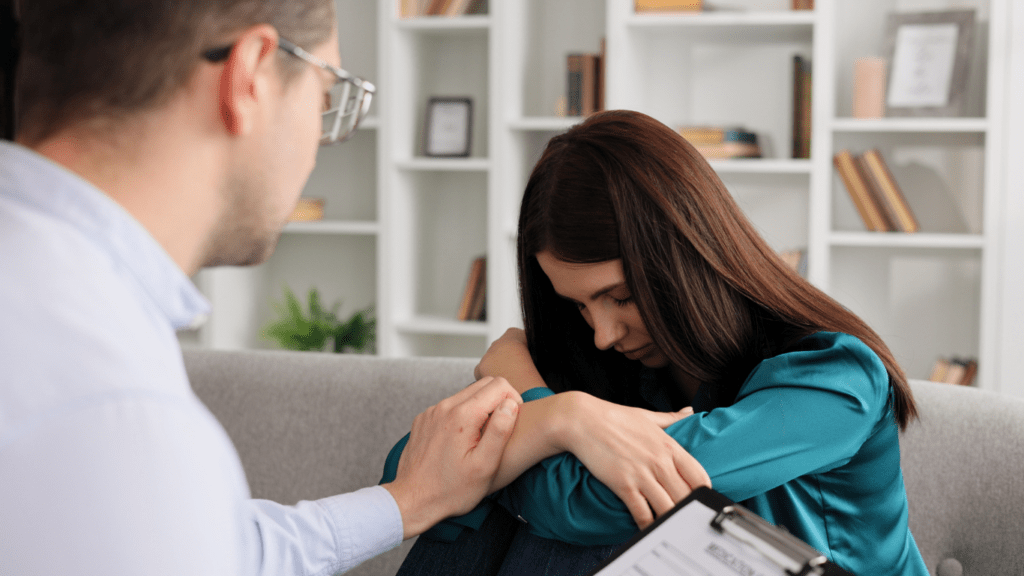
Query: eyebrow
{"x": 595, "y": 295}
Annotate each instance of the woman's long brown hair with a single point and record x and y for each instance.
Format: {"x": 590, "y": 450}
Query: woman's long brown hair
{"x": 713, "y": 295}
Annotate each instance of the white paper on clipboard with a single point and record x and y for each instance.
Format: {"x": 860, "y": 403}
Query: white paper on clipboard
{"x": 686, "y": 544}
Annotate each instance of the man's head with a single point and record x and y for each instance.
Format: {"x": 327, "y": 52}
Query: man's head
{"x": 98, "y": 61}
{"x": 209, "y": 153}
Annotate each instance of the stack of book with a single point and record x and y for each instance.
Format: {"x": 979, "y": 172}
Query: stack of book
{"x": 874, "y": 192}
{"x": 717, "y": 143}
{"x": 955, "y": 371}
{"x": 585, "y": 83}
{"x": 474, "y": 297}
{"x": 415, "y": 8}
{"x": 643, "y": 6}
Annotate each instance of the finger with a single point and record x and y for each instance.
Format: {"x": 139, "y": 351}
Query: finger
{"x": 691, "y": 470}
{"x": 658, "y": 497}
{"x": 476, "y": 372}
{"x": 497, "y": 431}
{"x": 639, "y": 509}
{"x": 672, "y": 480}
{"x": 491, "y": 394}
{"x": 467, "y": 392}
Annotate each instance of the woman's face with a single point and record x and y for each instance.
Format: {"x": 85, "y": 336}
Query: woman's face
{"x": 606, "y": 303}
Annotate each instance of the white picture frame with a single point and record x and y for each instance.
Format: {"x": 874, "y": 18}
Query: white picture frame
{"x": 929, "y": 54}
{"x": 449, "y": 127}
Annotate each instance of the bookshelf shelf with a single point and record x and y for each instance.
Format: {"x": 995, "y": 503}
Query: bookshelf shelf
{"x": 730, "y": 27}
{"x": 340, "y": 227}
{"x": 908, "y": 125}
{"x": 761, "y": 166}
{"x": 545, "y": 123}
{"x": 445, "y": 165}
{"x": 901, "y": 240}
{"x": 472, "y": 23}
{"x": 442, "y": 326}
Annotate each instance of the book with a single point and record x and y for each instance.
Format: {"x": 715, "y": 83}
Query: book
{"x": 802, "y": 92}
{"x": 959, "y": 371}
{"x": 668, "y": 6}
{"x": 892, "y": 195}
{"x": 874, "y": 188}
{"x": 437, "y": 7}
{"x": 939, "y": 370}
{"x": 795, "y": 260}
{"x": 858, "y": 191}
{"x": 457, "y": 7}
{"x": 720, "y": 143}
{"x": 583, "y": 78}
{"x": 472, "y": 304}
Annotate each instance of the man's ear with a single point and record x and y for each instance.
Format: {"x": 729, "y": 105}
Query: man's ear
{"x": 244, "y": 81}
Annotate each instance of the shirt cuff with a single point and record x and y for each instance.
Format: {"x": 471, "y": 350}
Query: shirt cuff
{"x": 367, "y": 523}
{"x": 536, "y": 393}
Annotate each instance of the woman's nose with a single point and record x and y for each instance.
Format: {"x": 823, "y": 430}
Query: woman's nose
{"x": 607, "y": 330}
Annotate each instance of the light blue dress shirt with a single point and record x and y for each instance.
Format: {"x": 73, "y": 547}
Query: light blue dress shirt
{"x": 109, "y": 464}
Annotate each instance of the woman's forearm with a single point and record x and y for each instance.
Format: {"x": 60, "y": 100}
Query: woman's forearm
{"x": 543, "y": 429}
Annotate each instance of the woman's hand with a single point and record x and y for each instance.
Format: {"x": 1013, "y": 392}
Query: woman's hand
{"x": 509, "y": 357}
{"x": 630, "y": 453}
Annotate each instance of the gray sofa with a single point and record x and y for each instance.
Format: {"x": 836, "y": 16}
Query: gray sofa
{"x": 312, "y": 425}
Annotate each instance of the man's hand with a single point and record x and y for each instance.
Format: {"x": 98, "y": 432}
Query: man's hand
{"x": 453, "y": 454}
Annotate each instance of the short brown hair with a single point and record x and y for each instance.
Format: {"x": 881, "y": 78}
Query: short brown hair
{"x": 713, "y": 295}
{"x": 106, "y": 59}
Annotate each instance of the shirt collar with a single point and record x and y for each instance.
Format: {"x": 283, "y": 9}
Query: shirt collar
{"x": 36, "y": 181}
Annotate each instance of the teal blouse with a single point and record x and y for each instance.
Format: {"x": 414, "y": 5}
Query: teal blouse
{"x": 811, "y": 443}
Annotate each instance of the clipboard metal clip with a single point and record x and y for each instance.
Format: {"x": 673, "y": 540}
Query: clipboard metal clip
{"x": 776, "y": 545}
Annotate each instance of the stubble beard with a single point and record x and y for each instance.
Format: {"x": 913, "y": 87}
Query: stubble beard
{"x": 245, "y": 234}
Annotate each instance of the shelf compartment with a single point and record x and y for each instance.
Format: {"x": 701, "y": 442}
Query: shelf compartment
{"x": 883, "y": 125}
{"x": 337, "y": 227}
{"x": 902, "y": 240}
{"x": 924, "y": 303}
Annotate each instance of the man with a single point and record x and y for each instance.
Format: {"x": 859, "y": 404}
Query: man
{"x": 155, "y": 138}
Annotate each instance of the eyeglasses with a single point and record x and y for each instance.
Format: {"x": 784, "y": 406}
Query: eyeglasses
{"x": 345, "y": 104}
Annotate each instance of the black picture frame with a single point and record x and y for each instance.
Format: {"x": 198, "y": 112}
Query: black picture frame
{"x": 448, "y": 130}
{"x": 928, "y": 66}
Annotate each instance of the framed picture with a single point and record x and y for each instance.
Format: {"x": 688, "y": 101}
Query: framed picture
{"x": 448, "y": 128}
{"x": 928, "y": 54}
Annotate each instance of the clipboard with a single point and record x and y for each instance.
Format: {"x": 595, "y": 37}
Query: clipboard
{"x": 709, "y": 535}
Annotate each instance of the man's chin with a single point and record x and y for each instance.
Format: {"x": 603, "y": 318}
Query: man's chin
{"x": 244, "y": 253}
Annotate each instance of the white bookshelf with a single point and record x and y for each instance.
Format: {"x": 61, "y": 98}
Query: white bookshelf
{"x": 405, "y": 227}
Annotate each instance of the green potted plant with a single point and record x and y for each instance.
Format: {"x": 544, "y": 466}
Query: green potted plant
{"x": 310, "y": 329}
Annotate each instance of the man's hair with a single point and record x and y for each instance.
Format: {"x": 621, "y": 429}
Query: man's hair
{"x": 85, "y": 60}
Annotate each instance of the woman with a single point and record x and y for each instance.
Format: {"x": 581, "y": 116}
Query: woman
{"x": 644, "y": 285}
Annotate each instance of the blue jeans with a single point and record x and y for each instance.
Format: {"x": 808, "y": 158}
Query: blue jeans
{"x": 503, "y": 546}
